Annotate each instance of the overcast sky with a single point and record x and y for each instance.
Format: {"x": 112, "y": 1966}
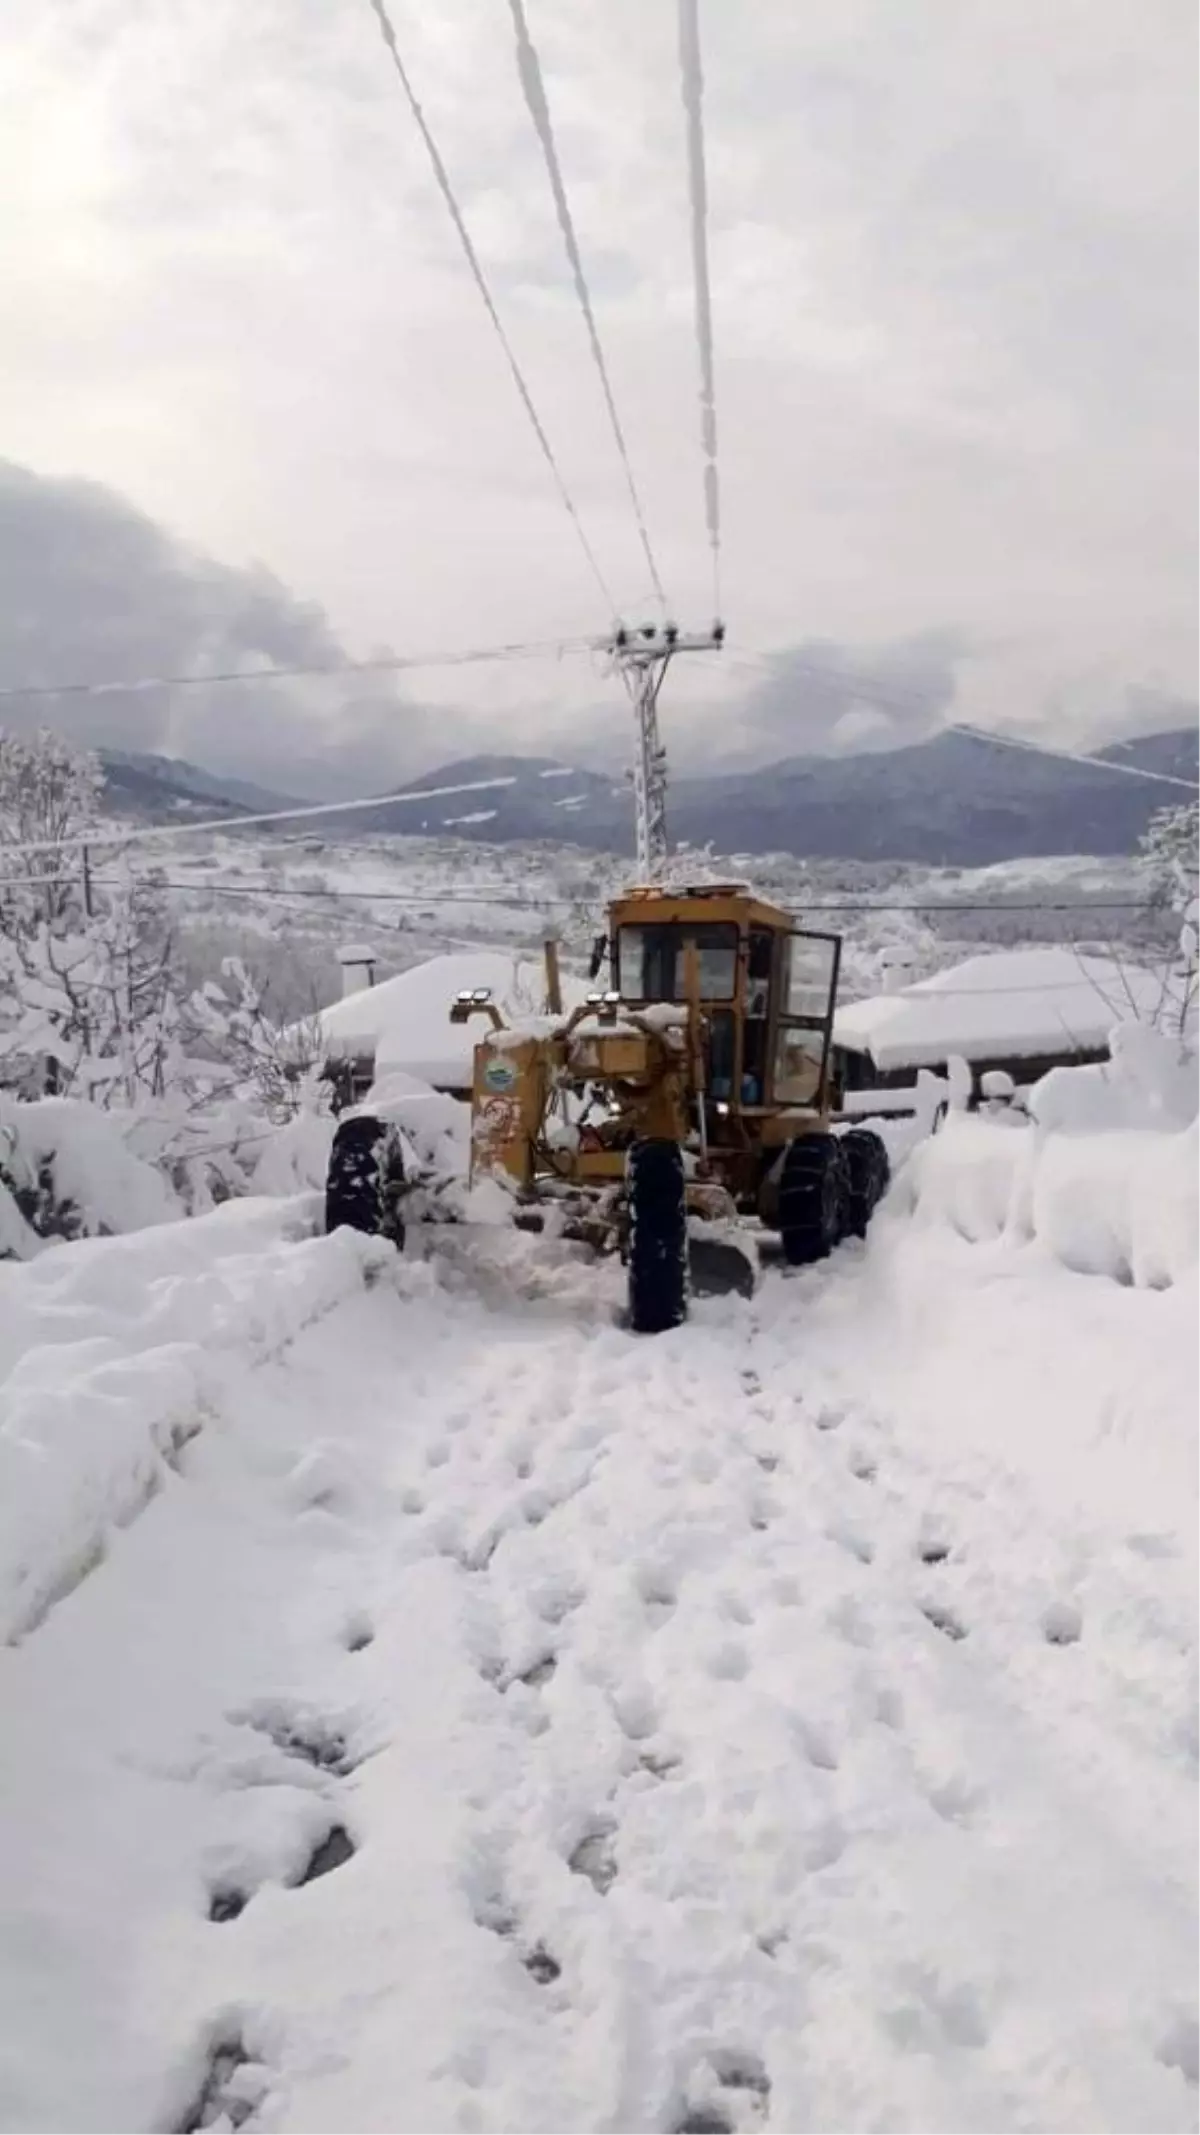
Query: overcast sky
{"x": 953, "y": 253}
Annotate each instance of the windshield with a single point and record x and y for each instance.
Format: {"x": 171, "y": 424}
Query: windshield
{"x": 650, "y": 962}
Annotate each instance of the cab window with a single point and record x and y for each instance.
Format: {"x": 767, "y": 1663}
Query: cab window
{"x": 650, "y": 962}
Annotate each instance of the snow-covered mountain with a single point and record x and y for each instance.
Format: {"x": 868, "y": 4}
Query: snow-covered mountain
{"x": 951, "y": 801}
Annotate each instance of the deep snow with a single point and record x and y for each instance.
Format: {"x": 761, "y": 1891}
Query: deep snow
{"x": 789, "y": 1722}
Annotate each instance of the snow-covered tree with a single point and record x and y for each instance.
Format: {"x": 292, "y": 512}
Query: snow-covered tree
{"x": 230, "y": 1019}
{"x": 86, "y": 996}
{"x": 48, "y": 796}
{"x": 1170, "y": 849}
{"x": 92, "y": 996}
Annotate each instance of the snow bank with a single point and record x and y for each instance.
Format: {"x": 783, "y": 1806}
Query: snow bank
{"x": 1123, "y": 1204}
{"x": 1150, "y": 1081}
{"x": 116, "y": 1352}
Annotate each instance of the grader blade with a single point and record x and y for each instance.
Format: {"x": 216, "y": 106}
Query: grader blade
{"x": 719, "y": 1266}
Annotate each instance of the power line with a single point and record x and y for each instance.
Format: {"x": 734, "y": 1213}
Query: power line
{"x": 387, "y": 663}
{"x": 691, "y": 74}
{"x": 94, "y": 839}
{"x": 533, "y": 84}
{"x": 1069, "y": 756}
{"x": 495, "y": 894}
{"x": 387, "y": 32}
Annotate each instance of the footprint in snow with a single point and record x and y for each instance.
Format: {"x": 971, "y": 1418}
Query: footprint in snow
{"x": 232, "y": 2087}
{"x": 943, "y": 1619}
{"x": 657, "y": 1591}
{"x": 494, "y": 1913}
{"x": 357, "y": 1634}
{"x": 300, "y": 1733}
{"x": 228, "y": 1901}
{"x": 333, "y": 1851}
{"x": 826, "y": 1419}
{"x": 595, "y": 1856}
{"x": 731, "y": 2090}
{"x": 1062, "y": 1624}
{"x": 538, "y": 1672}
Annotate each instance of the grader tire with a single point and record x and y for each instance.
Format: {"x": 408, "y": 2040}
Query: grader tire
{"x": 867, "y": 1175}
{"x": 658, "y": 1246}
{"x": 813, "y": 1198}
{"x": 362, "y": 1169}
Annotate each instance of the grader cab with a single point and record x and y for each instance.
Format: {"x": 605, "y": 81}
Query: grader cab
{"x": 656, "y": 1116}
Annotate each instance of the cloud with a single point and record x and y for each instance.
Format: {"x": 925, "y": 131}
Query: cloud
{"x": 820, "y": 698}
{"x": 954, "y": 279}
{"x": 95, "y": 591}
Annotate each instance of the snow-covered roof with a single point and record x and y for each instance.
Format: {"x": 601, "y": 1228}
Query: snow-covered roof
{"x": 405, "y": 1021}
{"x": 1013, "y": 1003}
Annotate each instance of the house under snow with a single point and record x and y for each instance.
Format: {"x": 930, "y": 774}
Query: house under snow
{"x": 404, "y": 1022}
{"x": 1022, "y": 1010}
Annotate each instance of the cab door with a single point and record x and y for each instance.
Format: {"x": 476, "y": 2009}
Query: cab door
{"x": 806, "y": 1000}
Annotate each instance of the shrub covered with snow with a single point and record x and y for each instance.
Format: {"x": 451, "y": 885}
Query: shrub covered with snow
{"x": 67, "y": 1171}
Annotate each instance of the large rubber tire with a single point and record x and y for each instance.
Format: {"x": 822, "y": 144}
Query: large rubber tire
{"x": 813, "y": 1192}
{"x": 361, "y": 1185}
{"x": 867, "y": 1175}
{"x": 658, "y": 1251}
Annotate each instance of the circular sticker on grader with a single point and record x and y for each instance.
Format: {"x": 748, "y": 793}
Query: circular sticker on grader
{"x": 499, "y": 1074}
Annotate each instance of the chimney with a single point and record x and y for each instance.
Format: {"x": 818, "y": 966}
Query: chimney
{"x": 897, "y": 966}
{"x": 358, "y": 968}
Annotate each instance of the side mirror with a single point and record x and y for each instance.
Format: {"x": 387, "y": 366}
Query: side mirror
{"x": 599, "y": 952}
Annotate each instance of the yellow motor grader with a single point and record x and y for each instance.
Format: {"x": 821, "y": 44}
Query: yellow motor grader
{"x": 653, "y": 1118}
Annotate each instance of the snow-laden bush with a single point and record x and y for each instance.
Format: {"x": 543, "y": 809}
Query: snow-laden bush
{"x": 67, "y": 1171}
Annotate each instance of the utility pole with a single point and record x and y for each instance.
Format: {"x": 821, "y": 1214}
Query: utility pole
{"x": 642, "y": 658}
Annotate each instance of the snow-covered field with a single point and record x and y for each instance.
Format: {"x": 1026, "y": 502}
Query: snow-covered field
{"x": 431, "y": 1707}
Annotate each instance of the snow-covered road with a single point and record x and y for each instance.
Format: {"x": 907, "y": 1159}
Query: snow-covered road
{"x": 487, "y": 1720}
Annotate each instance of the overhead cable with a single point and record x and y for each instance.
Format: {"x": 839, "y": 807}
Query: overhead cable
{"x": 691, "y": 73}
{"x": 387, "y": 32}
{"x": 494, "y": 895}
{"x": 383, "y": 663}
{"x": 95, "y": 840}
{"x": 1071, "y": 756}
{"x": 533, "y": 84}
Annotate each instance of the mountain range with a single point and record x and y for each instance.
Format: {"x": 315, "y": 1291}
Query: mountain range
{"x": 950, "y": 801}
